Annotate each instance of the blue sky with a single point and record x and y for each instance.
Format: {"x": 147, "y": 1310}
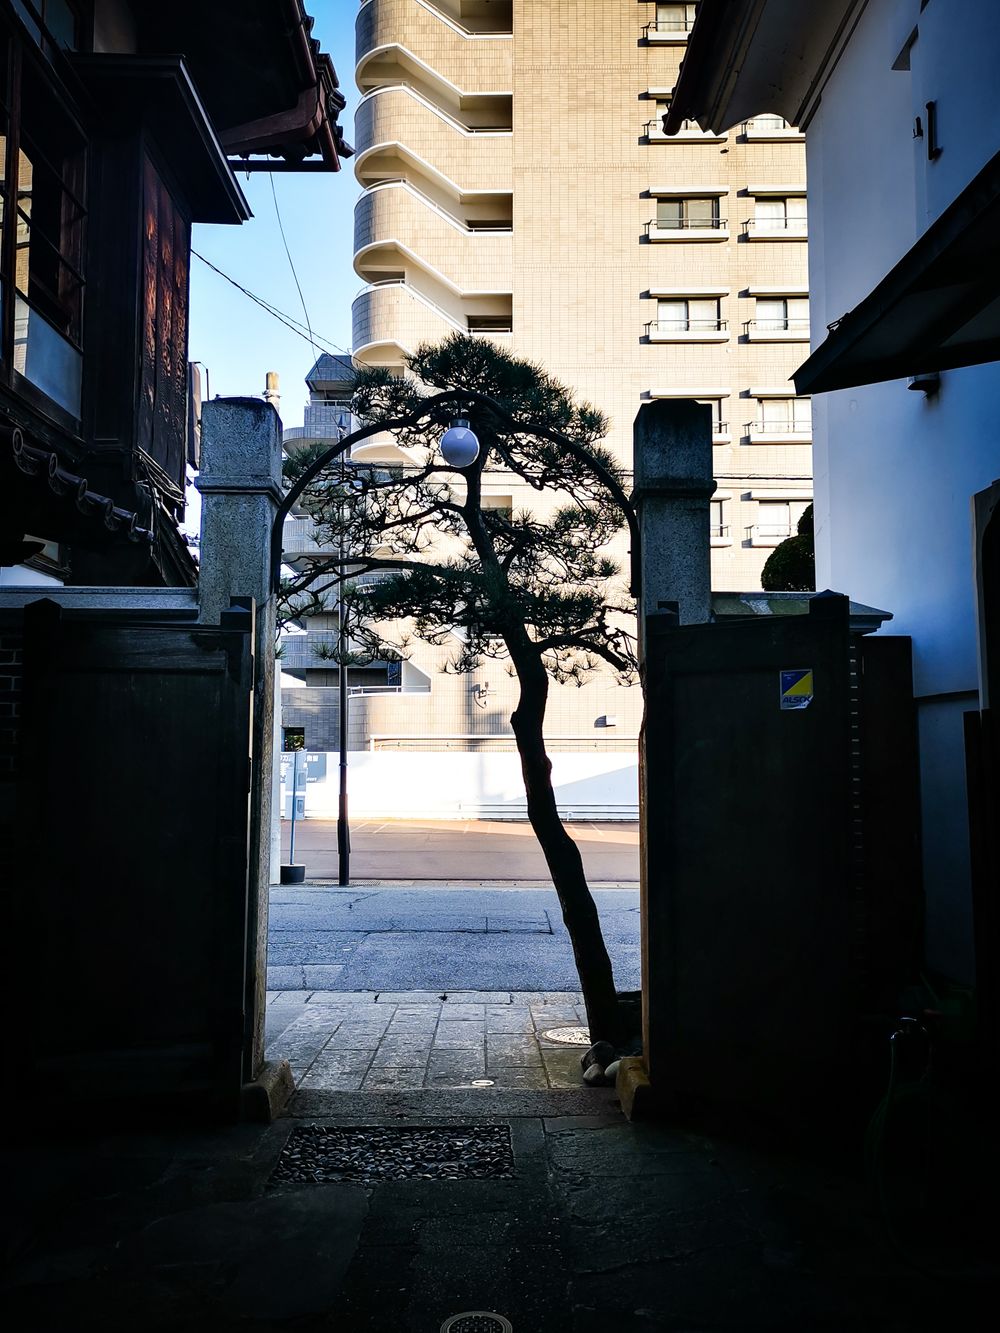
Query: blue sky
{"x": 234, "y": 338}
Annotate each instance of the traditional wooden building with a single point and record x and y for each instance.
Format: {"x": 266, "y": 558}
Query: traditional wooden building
{"x": 121, "y": 124}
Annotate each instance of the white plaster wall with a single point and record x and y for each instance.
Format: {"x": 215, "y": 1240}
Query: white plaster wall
{"x": 393, "y": 785}
{"x": 894, "y": 470}
{"x": 954, "y": 64}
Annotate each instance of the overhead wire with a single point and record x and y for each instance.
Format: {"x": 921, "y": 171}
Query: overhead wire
{"x": 288, "y": 256}
{"x": 290, "y": 322}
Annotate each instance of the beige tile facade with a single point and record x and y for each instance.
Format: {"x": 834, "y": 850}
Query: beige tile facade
{"x": 517, "y": 177}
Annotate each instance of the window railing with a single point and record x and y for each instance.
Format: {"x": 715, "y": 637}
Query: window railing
{"x": 675, "y": 27}
{"x": 355, "y": 690}
{"x": 686, "y": 326}
{"x": 720, "y": 427}
{"x": 719, "y": 530}
{"x": 775, "y": 226}
{"x": 796, "y": 327}
{"x": 686, "y": 224}
{"x": 778, "y": 427}
{"x": 654, "y": 130}
{"x": 767, "y": 124}
{"x": 770, "y": 531}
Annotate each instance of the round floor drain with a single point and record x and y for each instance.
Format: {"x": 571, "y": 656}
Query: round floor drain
{"x": 569, "y": 1036}
{"x": 477, "y": 1321}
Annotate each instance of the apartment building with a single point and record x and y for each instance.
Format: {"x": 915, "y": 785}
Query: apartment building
{"x": 518, "y": 184}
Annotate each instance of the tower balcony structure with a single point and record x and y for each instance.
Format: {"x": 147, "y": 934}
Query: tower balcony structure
{"x": 396, "y": 226}
{"x": 436, "y": 40}
{"x": 393, "y": 317}
{"x": 433, "y": 228}
{"x": 401, "y": 128}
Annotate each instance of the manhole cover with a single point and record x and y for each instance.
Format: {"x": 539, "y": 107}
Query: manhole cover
{"x": 477, "y": 1321}
{"x": 314, "y": 1154}
{"x": 569, "y": 1036}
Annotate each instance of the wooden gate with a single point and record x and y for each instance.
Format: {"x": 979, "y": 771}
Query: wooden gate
{"x": 130, "y": 905}
{"x": 781, "y": 851}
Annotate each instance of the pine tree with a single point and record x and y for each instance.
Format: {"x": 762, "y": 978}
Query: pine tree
{"x": 540, "y": 594}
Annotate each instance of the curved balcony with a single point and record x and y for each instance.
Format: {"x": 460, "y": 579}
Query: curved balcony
{"x": 473, "y": 60}
{"x": 473, "y": 162}
{"x": 391, "y": 319}
{"x": 396, "y": 215}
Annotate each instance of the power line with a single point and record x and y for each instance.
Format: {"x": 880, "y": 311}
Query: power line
{"x": 288, "y": 256}
{"x": 288, "y": 320}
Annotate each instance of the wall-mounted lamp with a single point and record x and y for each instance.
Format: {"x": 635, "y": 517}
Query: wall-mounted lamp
{"x": 928, "y": 383}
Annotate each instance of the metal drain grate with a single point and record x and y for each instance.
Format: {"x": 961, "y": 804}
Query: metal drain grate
{"x": 477, "y": 1321}
{"x": 569, "y": 1036}
{"x": 315, "y": 1154}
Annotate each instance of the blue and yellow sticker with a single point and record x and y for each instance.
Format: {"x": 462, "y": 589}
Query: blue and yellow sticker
{"x": 796, "y": 689}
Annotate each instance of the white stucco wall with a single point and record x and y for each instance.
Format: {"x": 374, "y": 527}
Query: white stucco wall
{"x": 390, "y": 784}
{"x": 895, "y": 470}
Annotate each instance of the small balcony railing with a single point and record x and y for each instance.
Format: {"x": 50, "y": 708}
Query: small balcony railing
{"x": 675, "y": 29}
{"x": 690, "y": 129}
{"x": 770, "y": 532}
{"x": 790, "y": 328}
{"x": 355, "y": 690}
{"x": 666, "y": 327}
{"x": 781, "y": 227}
{"x": 769, "y": 127}
{"x": 778, "y": 428}
{"x": 682, "y": 225}
{"x": 719, "y": 530}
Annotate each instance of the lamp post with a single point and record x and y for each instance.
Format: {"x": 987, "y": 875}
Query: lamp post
{"x": 343, "y": 827}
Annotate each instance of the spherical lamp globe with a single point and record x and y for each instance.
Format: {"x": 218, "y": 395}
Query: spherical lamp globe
{"x": 459, "y": 444}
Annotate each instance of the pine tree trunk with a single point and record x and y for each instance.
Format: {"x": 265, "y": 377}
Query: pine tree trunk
{"x": 604, "y": 1014}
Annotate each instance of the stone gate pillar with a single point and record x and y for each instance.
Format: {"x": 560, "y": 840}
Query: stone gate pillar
{"x": 240, "y": 485}
{"x": 672, "y": 441}
{"x": 673, "y": 487}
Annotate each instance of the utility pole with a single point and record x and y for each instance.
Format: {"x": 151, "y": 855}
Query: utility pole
{"x": 343, "y": 828}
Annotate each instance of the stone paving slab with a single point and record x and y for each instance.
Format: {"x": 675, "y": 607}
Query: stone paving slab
{"x": 417, "y": 1040}
{"x": 604, "y": 1226}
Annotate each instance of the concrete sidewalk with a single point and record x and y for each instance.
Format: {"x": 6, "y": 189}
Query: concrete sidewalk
{"x": 418, "y": 1039}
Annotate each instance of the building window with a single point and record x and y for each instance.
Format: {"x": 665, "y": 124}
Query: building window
{"x": 53, "y": 23}
{"x": 776, "y": 520}
{"x": 671, "y": 21}
{"x": 778, "y": 217}
{"x": 43, "y": 200}
{"x": 769, "y": 127}
{"x": 719, "y": 427}
{"x": 690, "y": 129}
{"x": 778, "y": 417}
{"x": 719, "y": 527}
{"x": 502, "y": 506}
{"x": 163, "y": 356}
{"x": 780, "y": 317}
{"x": 687, "y": 214}
{"x": 686, "y": 315}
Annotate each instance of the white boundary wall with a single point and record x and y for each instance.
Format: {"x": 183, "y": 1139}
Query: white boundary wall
{"x": 390, "y": 784}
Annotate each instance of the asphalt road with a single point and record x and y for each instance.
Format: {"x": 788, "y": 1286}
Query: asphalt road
{"x": 445, "y": 938}
{"x": 462, "y": 850}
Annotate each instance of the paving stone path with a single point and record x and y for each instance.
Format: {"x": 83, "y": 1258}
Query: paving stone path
{"x": 410, "y": 1040}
